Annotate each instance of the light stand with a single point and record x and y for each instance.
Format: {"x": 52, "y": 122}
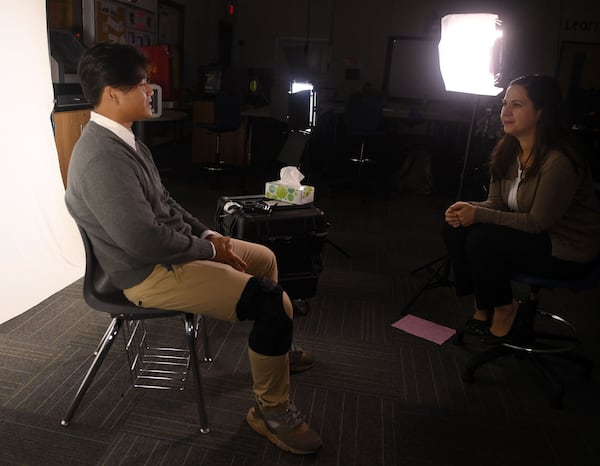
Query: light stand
{"x": 469, "y": 49}
{"x": 467, "y": 150}
{"x": 439, "y": 269}
{"x": 302, "y": 119}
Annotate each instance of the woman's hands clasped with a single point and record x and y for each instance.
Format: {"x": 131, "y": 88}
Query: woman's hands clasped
{"x": 460, "y": 214}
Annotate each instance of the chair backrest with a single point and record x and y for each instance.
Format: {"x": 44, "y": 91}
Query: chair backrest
{"x": 228, "y": 111}
{"x": 363, "y": 113}
{"x": 100, "y": 294}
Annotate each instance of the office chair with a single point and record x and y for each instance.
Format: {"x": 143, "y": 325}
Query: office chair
{"x": 227, "y": 117}
{"x": 533, "y": 337}
{"x": 363, "y": 117}
{"x": 159, "y": 368}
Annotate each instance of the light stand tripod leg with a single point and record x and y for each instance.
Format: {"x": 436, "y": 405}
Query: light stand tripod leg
{"x": 442, "y": 280}
{"x": 428, "y": 265}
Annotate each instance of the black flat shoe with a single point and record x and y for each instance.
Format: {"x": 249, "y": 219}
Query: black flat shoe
{"x": 521, "y": 331}
{"x": 490, "y": 339}
{"x": 477, "y": 327}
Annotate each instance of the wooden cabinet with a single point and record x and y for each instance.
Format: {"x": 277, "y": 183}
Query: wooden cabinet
{"x": 233, "y": 144}
{"x": 67, "y": 129}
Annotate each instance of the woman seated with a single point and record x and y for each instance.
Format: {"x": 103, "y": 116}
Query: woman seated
{"x": 541, "y": 216}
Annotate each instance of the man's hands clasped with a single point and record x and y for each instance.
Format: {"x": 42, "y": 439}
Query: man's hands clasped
{"x": 225, "y": 253}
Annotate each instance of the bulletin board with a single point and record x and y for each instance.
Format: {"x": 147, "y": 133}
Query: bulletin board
{"x": 116, "y": 22}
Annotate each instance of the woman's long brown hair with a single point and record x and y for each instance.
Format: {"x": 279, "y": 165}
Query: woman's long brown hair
{"x": 552, "y": 132}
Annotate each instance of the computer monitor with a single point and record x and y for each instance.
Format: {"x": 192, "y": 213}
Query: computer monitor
{"x": 260, "y": 86}
{"x": 209, "y": 82}
{"x": 156, "y": 100}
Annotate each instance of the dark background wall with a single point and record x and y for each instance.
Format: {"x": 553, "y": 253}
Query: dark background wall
{"x": 354, "y": 33}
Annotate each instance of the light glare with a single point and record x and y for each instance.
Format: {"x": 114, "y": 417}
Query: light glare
{"x": 466, "y": 52}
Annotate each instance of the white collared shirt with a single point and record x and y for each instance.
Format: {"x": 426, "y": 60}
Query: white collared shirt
{"x": 127, "y": 135}
{"x": 121, "y": 131}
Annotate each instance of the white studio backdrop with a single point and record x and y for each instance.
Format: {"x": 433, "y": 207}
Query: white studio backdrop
{"x": 40, "y": 248}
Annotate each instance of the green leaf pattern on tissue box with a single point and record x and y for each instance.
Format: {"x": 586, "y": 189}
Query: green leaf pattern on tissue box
{"x": 289, "y": 194}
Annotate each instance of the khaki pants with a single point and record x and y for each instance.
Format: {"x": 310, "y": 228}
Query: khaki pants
{"x": 214, "y": 289}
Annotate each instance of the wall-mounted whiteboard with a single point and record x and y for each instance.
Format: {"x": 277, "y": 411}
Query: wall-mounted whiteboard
{"x": 413, "y": 69}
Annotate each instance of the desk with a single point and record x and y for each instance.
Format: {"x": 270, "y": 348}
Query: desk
{"x": 436, "y": 120}
{"x": 168, "y": 116}
{"x": 68, "y": 126}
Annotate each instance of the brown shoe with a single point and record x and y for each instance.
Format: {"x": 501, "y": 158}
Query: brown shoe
{"x": 301, "y": 360}
{"x": 285, "y": 427}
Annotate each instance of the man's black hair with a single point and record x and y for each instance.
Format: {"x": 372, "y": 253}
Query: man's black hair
{"x": 109, "y": 64}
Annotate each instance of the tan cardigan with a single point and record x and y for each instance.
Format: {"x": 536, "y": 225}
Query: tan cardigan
{"x": 555, "y": 200}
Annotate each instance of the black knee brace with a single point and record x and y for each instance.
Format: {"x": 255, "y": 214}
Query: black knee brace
{"x": 262, "y": 302}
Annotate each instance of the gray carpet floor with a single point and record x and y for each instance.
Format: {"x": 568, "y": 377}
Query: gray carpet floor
{"x": 378, "y": 396}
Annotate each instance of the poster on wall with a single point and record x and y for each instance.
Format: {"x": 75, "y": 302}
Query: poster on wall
{"x": 140, "y": 27}
{"x": 110, "y": 22}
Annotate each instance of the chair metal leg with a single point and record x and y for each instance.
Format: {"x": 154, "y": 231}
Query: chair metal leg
{"x": 200, "y": 322}
{"x": 106, "y": 334}
{"x": 207, "y": 352}
{"x": 191, "y": 338}
{"x": 101, "y": 352}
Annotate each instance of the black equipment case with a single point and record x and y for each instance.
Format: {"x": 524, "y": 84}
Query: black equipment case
{"x": 295, "y": 233}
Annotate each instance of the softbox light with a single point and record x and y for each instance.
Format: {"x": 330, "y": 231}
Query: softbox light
{"x": 470, "y": 52}
{"x": 303, "y": 104}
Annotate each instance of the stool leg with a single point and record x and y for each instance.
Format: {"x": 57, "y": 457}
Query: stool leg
{"x": 557, "y": 388}
{"x": 101, "y": 352}
{"x": 218, "y": 151}
{"x": 191, "y": 338}
{"x": 582, "y": 361}
{"x": 481, "y": 358}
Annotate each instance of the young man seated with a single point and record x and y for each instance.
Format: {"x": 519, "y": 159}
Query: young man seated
{"x": 163, "y": 257}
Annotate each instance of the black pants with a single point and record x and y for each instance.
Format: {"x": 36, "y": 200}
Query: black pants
{"x": 484, "y": 256}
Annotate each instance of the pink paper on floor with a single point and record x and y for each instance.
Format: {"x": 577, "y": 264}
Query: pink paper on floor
{"x": 424, "y": 329}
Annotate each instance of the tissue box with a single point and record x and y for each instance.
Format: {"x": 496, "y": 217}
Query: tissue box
{"x": 295, "y": 195}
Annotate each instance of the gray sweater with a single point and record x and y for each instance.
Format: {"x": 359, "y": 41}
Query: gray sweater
{"x": 117, "y": 197}
{"x": 556, "y": 200}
